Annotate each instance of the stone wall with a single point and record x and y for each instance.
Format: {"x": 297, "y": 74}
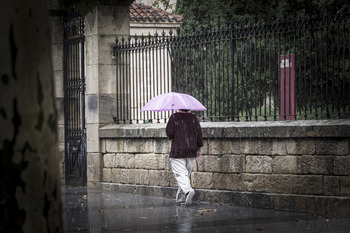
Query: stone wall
{"x": 292, "y": 165}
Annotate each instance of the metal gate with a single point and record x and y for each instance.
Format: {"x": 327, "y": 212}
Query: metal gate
{"x": 74, "y": 100}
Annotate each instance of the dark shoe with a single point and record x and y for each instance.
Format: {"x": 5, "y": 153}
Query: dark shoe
{"x": 189, "y": 197}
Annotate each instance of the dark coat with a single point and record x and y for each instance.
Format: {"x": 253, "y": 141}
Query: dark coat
{"x": 186, "y": 134}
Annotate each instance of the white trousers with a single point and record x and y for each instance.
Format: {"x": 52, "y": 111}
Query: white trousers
{"x": 182, "y": 168}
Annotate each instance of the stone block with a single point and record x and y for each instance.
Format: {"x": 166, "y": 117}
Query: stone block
{"x": 114, "y": 145}
{"x": 162, "y": 146}
{"x": 124, "y": 176}
{"x": 60, "y": 114}
{"x": 250, "y": 146}
{"x": 92, "y": 109}
{"x": 92, "y": 139}
{"x": 107, "y": 107}
{"x": 209, "y": 163}
{"x": 139, "y": 176}
{"x": 317, "y": 204}
{"x": 109, "y": 160}
{"x": 286, "y": 164}
{"x": 252, "y": 182}
{"x": 153, "y": 177}
{"x": 91, "y": 41}
{"x": 345, "y": 186}
{"x": 301, "y": 146}
{"x": 134, "y": 176}
{"x": 325, "y": 146}
{"x": 60, "y": 132}
{"x": 202, "y": 180}
{"x": 279, "y": 147}
{"x": 231, "y": 146}
{"x": 232, "y": 163}
{"x": 91, "y": 74}
{"x": 195, "y": 164}
{"x": 278, "y": 184}
{"x": 265, "y": 146}
{"x": 285, "y": 202}
{"x": 163, "y": 161}
{"x": 94, "y": 167}
{"x": 103, "y": 146}
{"x": 301, "y": 203}
{"x": 150, "y": 161}
{"x": 219, "y": 146}
{"x": 205, "y": 149}
{"x": 308, "y": 184}
{"x": 116, "y": 175}
{"x": 136, "y": 145}
{"x": 163, "y": 178}
{"x": 338, "y": 206}
{"x": 331, "y": 185}
{"x": 258, "y": 164}
{"x": 313, "y": 164}
{"x": 107, "y": 72}
{"x": 57, "y": 63}
{"x": 214, "y": 147}
{"x": 224, "y": 181}
{"x": 125, "y": 160}
{"x": 341, "y": 165}
{"x": 144, "y": 177}
{"x": 107, "y": 174}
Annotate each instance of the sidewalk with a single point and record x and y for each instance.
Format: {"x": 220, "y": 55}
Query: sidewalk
{"x": 96, "y": 211}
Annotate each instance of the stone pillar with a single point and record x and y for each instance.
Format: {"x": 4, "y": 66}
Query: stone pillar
{"x": 56, "y": 39}
{"x": 101, "y": 28}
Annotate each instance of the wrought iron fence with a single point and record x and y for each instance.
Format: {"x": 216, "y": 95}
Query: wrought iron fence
{"x": 287, "y": 70}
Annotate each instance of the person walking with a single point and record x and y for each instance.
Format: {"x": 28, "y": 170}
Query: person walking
{"x": 185, "y": 132}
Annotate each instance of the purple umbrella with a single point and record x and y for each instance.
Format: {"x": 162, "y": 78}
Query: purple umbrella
{"x": 173, "y": 101}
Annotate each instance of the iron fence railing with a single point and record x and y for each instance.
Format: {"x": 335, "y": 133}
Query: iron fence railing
{"x": 289, "y": 70}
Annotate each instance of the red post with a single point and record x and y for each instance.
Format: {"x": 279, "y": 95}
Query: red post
{"x": 287, "y": 97}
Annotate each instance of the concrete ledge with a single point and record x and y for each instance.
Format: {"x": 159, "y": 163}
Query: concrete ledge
{"x": 260, "y": 129}
{"x": 331, "y": 206}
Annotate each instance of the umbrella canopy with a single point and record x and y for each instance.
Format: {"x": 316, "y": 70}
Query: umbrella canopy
{"x": 173, "y": 101}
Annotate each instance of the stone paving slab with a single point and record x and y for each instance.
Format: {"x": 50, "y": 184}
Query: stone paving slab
{"x": 92, "y": 210}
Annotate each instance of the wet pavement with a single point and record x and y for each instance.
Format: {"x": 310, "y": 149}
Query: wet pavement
{"x": 95, "y": 211}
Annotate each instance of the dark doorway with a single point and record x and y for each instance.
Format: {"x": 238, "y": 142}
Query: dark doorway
{"x": 74, "y": 100}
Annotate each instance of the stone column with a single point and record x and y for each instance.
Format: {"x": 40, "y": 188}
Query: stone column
{"x": 56, "y": 39}
{"x": 101, "y": 28}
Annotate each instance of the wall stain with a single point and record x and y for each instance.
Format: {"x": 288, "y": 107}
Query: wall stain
{"x": 13, "y": 52}
{"x": 46, "y": 208}
{"x": 10, "y": 174}
{"x": 40, "y": 98}
{"x": 5, "y": 79}
{"x": 52, "y": 123}
{"x": 3, "y": 113}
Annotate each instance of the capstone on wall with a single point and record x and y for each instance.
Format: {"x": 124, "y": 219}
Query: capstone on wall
{"x": 291, "y": 165}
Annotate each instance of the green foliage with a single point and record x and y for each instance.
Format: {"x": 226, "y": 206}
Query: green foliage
{"x": 166, "y": 5}
{"x": 82, "y": 6}
{"x": 239, "y": 75}
{"x": 202, "y": 13}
